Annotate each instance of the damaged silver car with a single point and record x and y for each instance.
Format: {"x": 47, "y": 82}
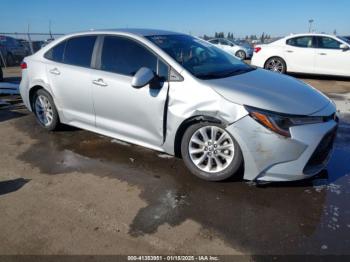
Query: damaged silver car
{"x": 178, "y": 94}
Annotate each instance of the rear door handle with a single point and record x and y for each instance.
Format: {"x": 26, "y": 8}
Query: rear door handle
{"x": 322, "y": 53}
{"x": 99, "y": 82}
{"x": 55, "y": 71}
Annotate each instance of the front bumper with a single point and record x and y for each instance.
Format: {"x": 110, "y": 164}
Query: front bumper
{"x": 271, "y": 157}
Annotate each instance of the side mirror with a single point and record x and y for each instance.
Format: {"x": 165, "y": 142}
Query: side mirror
{"x": 344, "y": 47}
{"x": 142, "y": 77}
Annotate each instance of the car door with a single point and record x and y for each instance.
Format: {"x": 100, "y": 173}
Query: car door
{"x": 227, "y": 46}
{"x": 70, "y": 77}
{"x": 299, "y": 54}
{"x": 330, "y": 58}
{"x": 131, "y": 114}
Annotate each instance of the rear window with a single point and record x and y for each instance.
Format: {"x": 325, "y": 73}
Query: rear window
{"x": 79, "y": 50}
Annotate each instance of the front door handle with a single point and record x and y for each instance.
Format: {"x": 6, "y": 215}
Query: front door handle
{"x": 322, "y": 53}
{"x": 99, "y": 82}
{"x": 55, "y": 71}
{"x": 290, "y": 51}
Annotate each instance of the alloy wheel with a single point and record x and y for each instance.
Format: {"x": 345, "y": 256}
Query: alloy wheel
{"x": 44, "y": 111}
{"x": 275, "y": 65}
{"x": 240, "y": 54}
{"x": 211, "y": 149}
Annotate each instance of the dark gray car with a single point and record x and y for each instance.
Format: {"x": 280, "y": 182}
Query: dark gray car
{"x": 12, "y": 51}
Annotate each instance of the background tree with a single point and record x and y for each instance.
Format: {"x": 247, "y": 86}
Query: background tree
{"x": 262, "y": 38}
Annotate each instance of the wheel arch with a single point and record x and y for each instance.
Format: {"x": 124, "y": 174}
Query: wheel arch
{"x": 34, "y": 89}
{"x": 32, "y": 93}
{"x": 35, "y": 85}
{"x": 186, "y": 124}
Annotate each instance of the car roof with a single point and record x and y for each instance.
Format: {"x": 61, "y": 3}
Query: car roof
{"x": 311, "y": 34}
{"x": 135, "y": 31}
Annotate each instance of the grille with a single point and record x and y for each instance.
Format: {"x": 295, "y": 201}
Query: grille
{"x": 322, "y": 151}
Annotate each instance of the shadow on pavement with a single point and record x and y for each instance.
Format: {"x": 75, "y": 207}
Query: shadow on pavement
{"x": 10, "y": 186}
{"x": 320, "y": 77}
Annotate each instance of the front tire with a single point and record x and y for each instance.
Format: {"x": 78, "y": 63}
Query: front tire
{"x": 45, "y": 110}
{"x": 276, "y": 64}
{"x": 210, "y": 152}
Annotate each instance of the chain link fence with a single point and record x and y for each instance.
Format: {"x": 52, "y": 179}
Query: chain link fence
{"x": 15, "y": 46}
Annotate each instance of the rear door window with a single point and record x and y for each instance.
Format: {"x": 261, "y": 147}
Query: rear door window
{"x": 56, "y": 53}
{"x": 78, "y": 51}
{"x": 125, "y": 56}
{"x": 303, "y": 41}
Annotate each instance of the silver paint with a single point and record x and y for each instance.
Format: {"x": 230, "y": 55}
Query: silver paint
{"x": 153, "y": 118}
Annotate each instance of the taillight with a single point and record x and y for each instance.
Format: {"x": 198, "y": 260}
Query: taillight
{"x": 257, "y": 49}
{"x": 23, "y": 65}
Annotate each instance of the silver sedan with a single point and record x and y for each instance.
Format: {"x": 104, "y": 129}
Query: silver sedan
{"x": 178, "y": 94}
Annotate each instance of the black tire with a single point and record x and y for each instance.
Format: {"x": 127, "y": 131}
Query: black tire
{"x": 55, "y": 123}
{"x": 1, "y": 75}
{"x": 228, "y": 172}
{"x": 241, "y": 54}
{"x": 280, "y": 67}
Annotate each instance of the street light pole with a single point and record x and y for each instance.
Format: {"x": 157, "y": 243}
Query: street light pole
{"x": 310, "y": 24}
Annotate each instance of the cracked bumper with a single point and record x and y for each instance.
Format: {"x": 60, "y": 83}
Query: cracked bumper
{"x": 271, "y": 157}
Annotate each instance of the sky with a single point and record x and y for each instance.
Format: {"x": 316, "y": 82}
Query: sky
{"x": 197, "y": 17}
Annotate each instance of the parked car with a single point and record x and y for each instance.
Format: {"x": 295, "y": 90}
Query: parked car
{"x": 25, "y": 44}
{"x": 242, "y": 52}
{"x": 305, "y": 53}
{"x": 12, "y": 50}
{"x": 347, "y": 38}
{"x": 179, "y": 94}
{"x": 245, "y": 44}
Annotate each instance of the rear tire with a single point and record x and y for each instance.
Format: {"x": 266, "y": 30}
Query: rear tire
{"x": 45, "y": 110}
{"x": 241, "y": 54}
{"x": 210, "y": 152}
{"x": 276, "y": 64}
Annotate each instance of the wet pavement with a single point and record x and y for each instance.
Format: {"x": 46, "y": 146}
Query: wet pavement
{"x": 300, "y": 218}
{"x": 306, "y": 217}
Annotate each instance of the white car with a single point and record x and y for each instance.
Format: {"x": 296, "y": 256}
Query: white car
{"x": 305, "y": 53}
{"x": 233, "y": 48}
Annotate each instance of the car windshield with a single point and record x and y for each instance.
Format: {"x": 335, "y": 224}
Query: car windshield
{"x": 200, "y": 58}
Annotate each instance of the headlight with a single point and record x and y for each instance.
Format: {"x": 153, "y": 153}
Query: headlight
{"x": 280, "y": 123}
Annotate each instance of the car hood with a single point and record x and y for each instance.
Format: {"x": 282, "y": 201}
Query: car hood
{"x": 270, "y": 91}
